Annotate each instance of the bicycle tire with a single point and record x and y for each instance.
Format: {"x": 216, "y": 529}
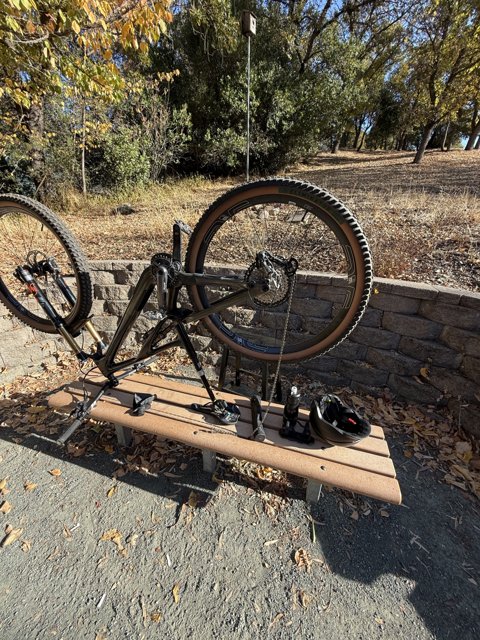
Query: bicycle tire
{"x": 337, "y": 221}
{"x": 24, "y": 211}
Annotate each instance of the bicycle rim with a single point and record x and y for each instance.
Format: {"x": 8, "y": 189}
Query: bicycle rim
{"x": 288, "y": 219}
{"x": 27, "y": 234}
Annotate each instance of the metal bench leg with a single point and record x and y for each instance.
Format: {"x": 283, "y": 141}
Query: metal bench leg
{"x": 209, "y": 460}
{"x": 314, "y": 491}
{"x": 124, "y": 435}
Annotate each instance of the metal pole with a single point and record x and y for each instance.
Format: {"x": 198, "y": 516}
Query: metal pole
{"x": 248, "y": 109}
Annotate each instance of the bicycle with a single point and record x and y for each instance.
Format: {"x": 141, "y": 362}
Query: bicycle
{"x": 240, "y": 272}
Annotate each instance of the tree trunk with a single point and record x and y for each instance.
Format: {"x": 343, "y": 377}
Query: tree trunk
{"x": 444, "y": 141}
{"x": 35, "y": 133}
{"x": 473, "y": 136}
{"x": 362, "y": 140}
{"x": 84, "y": 136}
{"x": 427, "y": 134}
{"x": 336, "y": 144}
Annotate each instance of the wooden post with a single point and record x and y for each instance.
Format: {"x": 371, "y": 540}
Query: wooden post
{"x": 209, "y": 460}
{"x": 314, "y": 491}
{"x": 124, "y": 435}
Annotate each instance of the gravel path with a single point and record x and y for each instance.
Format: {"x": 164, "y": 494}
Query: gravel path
{"x": 185, "y": 555}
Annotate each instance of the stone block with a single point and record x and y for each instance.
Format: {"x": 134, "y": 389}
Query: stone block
{"x": 414, "y": 290}
{"x": 116, "y": 307}
{"x": 127, "y": 277}
{"x": 372, "y": 318}
{"x": 390, "y": 302}
{"x": 470, "y": 300}
{"x": 468, "y": 416}
{"x": 412, "y": 326}
{"x": 322, "y": 363}
{"x": 305, "y": 290}
{"x": 452, "y": 315}
{"x": 428, "y": 351}
{"x": 471, "y": 369}
{"x": 362, "y": 372}
{"x": 314, "y": 277}
{"x": 103, "y": 277}
{"x": 277, "y": 321}
{"x": 384, "y": 285}
{"x": 112, "y": 292}
{"x": 311, "y": 308}
{"x": 449, "y": 295}
{"x": 374, "y": 337}
{"x": 101, "y": 265}
{"x": 349, "y": 350}
{"x": 332, "y": 294}
{"x": 462, "y": 341}
{"x": 106, "y": 324}
{"x": 413, "y": 390}
{"x": 452, "y": 383}
{"x": 393, "y": 362}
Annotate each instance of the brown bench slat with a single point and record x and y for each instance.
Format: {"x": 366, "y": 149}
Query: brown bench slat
{"x": 297, "y": 463}
{"x": 186, "y": 394}
{"x": 169, "y": 406}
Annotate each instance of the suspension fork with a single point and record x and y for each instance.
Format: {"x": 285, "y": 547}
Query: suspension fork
{"x": 24, "y": 275}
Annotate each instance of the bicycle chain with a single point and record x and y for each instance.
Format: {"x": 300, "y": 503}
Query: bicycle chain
{"x": 282, "y": 347}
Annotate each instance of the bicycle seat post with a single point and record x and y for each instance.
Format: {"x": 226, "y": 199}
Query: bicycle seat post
{"x": 177, "y": 243}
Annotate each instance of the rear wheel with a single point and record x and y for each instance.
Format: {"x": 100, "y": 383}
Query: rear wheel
{"x": 289, "y": 222}
{"x": 29, "y": 234}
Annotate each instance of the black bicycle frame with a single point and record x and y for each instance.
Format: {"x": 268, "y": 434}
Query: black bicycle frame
{"x": 173, "y": 317}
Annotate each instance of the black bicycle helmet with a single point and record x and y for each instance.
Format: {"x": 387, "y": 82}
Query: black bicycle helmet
{"x": 337, "y": 424}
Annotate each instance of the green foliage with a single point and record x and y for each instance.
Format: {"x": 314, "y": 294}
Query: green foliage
{"x": 122, "y": 161}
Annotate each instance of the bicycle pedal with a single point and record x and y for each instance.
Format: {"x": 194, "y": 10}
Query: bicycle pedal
{"x": 183, "y": 226}
{"x": 225, "y": 412}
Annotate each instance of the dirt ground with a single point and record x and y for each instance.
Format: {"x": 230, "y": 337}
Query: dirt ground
{"x": 422, "y": 221}
{"x": 141, "y": 543}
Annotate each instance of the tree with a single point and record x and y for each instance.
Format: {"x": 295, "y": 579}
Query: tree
{"x": 444, "y": 60}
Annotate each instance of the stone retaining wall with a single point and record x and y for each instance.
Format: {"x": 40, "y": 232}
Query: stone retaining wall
{"x": 420, "y": 341}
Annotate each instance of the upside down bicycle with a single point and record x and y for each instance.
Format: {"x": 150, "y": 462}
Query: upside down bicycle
{"x": 240, "y": 271}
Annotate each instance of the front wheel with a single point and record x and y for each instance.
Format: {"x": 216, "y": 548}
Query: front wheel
{"x": 290, "y": 222}
{"x": 31, "y": 234}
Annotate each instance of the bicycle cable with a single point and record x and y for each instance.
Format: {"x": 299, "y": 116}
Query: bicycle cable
{"x": 282, "y": 347}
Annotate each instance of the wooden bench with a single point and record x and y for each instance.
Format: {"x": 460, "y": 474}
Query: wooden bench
{"x": 366, "y": 468}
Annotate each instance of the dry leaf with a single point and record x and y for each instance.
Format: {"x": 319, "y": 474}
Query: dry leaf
{"x": 3, "y": 483}
{"x": 176, "y": 593}
{"x": 354, "y": 515}
{"x": 302, "y": 559}
{"x": 193, "y": 499}
{"x": 156, "y": 616}
{"x": 6, "y": 507}
{"x": 384, "y": 513}
{"x": 26, "y": 546}
{"x": 305, "y": 598}
{"x": 55, "y": 472}
{"x": 112, "y": 491}
{"x": 114, "y": 536}
{"x": 30, "y": 486}
{"x": 425, "y": 373}
{"x": 11, "y": 536}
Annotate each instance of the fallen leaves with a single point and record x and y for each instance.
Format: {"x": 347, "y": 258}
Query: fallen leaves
{"x": 303, "y": 559}
{"x": 11, "y": 536}
{"x": 176, "y": 593}
{"x": 113, "y": 535}
{"x": 30, "y": 486}
{"x": 112, "y": 491}
{"x": 55, "y": 472}
{"x": 5, "y": 507}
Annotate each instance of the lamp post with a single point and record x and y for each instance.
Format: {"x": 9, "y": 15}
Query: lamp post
{"x": 248, "y": 24}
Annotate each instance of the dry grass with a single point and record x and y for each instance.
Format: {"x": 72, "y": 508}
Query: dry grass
{"x": 422, "y": 221}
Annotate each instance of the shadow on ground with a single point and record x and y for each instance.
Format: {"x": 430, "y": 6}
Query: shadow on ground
{"x": 413, "y": 574}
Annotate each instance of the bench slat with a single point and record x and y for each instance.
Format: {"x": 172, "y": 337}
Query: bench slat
{"x": 168, "y": 406}
{"x": 297, "y": 463}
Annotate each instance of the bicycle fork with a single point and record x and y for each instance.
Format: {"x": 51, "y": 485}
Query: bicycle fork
{"x": 25, "y": 275}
